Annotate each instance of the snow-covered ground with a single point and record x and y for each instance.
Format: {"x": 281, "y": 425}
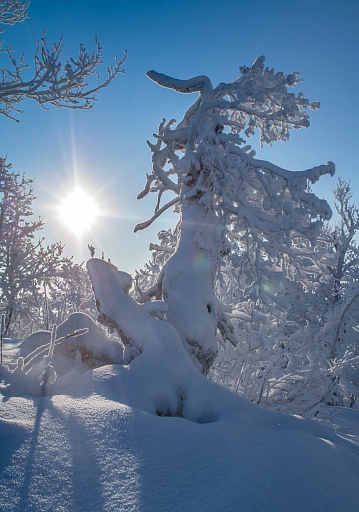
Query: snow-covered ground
{"x": 98, "y": 449}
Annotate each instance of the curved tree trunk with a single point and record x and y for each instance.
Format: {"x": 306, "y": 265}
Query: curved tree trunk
{"x": 188, "y": 284}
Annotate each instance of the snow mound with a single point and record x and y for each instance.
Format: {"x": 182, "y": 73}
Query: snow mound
{"x": 34, "y": 341}
{"x": 92, "y": 340}
{"x": 51, "y": 362}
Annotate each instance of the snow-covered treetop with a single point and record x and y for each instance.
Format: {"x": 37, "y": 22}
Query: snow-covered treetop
{"x": 257, "y": 99}
{"x": 204, "y": 157}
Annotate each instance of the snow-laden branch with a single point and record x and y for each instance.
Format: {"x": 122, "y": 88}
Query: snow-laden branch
{"x": 312, "y": 175}
{"x": 200, "y": 84}
{"x": 144, "y": 225}
{"x": 135, "y": 323}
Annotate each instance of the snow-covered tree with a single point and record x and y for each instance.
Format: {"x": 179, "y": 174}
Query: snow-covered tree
{"x": 342, "y": 238}
{"x": 67, "y": 292}
{"x": 73, "y": 84}
{"x": 339, "y": 336}
{"x": 230, "y": 203}
{"x": 226, "y": 195}
{"x": 24, "y": 261}
{"x": 310, "y": 357}
{"x": 334, "y": 301}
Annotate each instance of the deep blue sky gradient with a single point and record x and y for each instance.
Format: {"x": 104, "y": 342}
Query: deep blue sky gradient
{"x": 105, "y": 148}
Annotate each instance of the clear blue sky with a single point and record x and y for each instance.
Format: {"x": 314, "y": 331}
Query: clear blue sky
{"x": 105, "y": 148}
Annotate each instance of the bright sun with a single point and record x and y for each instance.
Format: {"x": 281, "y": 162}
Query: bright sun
{"x": 78, "y": 211}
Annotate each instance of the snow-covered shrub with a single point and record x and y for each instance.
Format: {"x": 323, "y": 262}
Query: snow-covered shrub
{"x": 50, "y": 362}
{"x": 316, "y": 339}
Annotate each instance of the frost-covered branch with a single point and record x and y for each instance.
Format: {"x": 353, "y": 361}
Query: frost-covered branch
{"x": 200, "y": 84}
{"x": 144, "y": 225}
{"x": 13, "y": 11}
{"x": 73, "y": 85}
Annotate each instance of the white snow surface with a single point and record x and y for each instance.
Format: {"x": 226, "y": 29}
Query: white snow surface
{"x": 93, "y": 453}
{"x": 156, "y": 435}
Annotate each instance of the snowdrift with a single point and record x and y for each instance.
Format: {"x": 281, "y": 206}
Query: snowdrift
{"x": 92, "y": 452}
